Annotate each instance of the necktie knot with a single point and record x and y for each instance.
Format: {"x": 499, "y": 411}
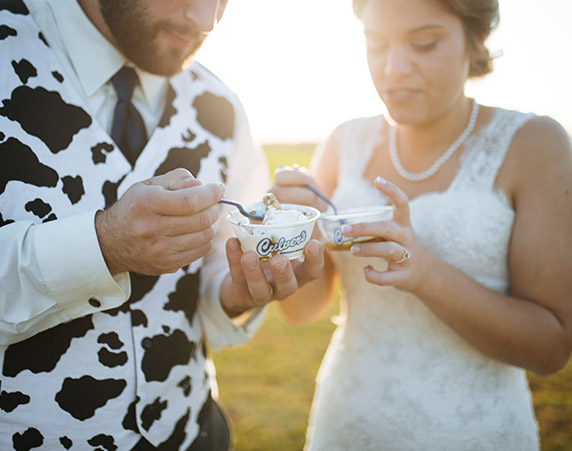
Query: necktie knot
{"x": 124, "y": 82}
{"x": 127, "y": 129}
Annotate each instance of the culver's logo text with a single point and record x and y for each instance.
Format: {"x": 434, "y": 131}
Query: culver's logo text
{"x": 267, "y": 246}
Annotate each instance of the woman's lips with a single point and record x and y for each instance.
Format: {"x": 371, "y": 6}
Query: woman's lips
{"x": 399, "y": 95}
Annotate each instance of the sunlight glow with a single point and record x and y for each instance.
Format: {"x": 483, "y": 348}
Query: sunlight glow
{"x": 299, "y": 65}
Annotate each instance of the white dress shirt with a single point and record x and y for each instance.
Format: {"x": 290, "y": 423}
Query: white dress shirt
{"x": 44, "y": 281}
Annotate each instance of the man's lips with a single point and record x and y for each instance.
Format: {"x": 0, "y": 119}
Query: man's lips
{"x": 179, "y": 40}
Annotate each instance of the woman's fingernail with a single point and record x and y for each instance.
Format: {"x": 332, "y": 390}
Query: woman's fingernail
{"x": 380, "y": 181}
{"x": 346, "y": 228}
{"x": 354, "y": 249}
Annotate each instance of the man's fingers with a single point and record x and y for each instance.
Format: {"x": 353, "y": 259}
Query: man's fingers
{"x": 277, "y": 279}
{"x": 189, "y": 241}
{"x": 186, "y": 201}
{"x": 191, "y": 255}
{"x": 233, "y": 255}
{"x": 177, "y": 192}
{"x": 259, "y": 288}
{"x": 162, "y": 248}
{"x": 180, "y": 225}
{"x": 183, "y": 183}
{"x": 313, "y": 265}
{"x": 285, "y": 282}
{"x": 170, "y": 262}
{"x": 156, "y": 227}
{"x": 175, "y": 179}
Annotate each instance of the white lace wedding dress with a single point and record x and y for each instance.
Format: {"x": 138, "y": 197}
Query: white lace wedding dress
{"x": 394, "y": 376}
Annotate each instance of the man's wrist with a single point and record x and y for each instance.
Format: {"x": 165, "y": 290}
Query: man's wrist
{"x": 228, "y": 300}
{"x": 246, "y": 318}
{"x": 233, "y": 311}
{"x": 102, "y": 232}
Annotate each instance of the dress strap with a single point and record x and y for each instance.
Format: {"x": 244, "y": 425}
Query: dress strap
{"x": 357, "y": 140}
{"x": 486, "y": 150}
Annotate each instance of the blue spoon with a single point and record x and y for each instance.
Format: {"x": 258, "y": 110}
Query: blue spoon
{"x": 322, "y": 196}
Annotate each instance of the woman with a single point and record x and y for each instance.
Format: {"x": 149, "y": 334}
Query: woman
{"x": 469, "y": 285}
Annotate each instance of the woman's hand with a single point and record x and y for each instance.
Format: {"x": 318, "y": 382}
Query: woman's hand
{"x": 407, "y": 260}
{"x": 289, "y": 187}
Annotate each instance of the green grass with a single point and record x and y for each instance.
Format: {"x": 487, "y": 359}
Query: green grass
{"x": 287, "y": 155}
{"x": 553, "y": 405}
{"x": 266, "y": 386}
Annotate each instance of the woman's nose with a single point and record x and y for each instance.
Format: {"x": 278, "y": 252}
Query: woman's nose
{"x": 397, "y": 61}
{"x": 204, "y": 14}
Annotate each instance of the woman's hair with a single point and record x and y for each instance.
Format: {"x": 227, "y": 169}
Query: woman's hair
{"x": 479, "y": 19}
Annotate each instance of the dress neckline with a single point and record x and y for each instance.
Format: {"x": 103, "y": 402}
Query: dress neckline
{"x": 464, "y": 156}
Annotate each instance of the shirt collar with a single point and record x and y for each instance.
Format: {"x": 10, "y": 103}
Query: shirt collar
{"x": 94, "y": 67}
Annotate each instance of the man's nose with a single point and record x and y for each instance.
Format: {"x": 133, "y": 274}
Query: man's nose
{"x": 204, "y": 14}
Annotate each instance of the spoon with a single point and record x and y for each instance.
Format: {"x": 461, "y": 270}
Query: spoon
{"x": 252, "y": 216}
{"x": 259, "y": 218}
{"x": 322, "y": 196}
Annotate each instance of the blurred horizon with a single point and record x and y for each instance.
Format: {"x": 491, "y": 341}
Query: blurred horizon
{"x": 299, "y": 66}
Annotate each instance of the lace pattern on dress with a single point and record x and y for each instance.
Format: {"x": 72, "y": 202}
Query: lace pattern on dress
{"x": 486, "y": 150}
{"x": 394, "y": 376}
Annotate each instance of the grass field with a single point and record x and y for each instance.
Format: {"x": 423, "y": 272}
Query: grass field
{"x": 266, "y": 386}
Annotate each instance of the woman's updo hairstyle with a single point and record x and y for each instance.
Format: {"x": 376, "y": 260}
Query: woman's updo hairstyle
{"x": 479, "y": 19}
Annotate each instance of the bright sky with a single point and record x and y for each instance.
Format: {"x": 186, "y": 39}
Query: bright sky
{"x": 299, "y": 65}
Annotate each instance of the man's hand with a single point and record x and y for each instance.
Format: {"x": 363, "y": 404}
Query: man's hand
{"x": 159, "y": 225}
{"x": 253, "y": 283}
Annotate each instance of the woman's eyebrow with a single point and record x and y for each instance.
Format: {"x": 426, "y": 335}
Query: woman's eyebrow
{"x": 425, "y": 28}
{"x": 429, "y": 27}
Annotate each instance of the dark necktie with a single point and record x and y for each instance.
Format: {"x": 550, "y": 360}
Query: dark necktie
{"x": 128, "y": 129}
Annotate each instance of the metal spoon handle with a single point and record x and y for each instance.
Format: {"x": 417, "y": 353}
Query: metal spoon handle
{"x": 322, "y": 196}
{"x": 241, "y": 209}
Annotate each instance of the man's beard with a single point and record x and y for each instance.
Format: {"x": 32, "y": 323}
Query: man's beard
{"x": 136, "y": 36}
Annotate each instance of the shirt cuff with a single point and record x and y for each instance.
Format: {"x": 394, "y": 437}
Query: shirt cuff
{"x": 73, "y": 268}
{"x": 221, "y": 330}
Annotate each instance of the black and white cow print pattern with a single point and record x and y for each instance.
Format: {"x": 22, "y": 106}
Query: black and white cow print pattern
{"x": 99, "y": 381}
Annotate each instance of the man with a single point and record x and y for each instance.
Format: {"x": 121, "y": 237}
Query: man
{"x": 114, "y": 147}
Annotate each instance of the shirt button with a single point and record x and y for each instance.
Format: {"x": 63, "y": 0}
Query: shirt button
{"x": 94, "y": 302}
{"x": 147, "y": 343}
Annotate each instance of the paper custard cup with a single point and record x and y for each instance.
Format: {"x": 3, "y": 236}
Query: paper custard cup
{"x": 269, "y": 240}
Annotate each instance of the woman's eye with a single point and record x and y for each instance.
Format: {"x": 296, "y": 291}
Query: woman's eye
{"x": 376, "y": 47}
{"x": 424, "y": 47}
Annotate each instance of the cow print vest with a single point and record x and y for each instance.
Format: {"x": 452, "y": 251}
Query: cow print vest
{"x": 101, "y": 381}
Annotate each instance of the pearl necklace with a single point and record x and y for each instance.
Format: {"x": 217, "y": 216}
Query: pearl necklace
{"x": 416, "y": 177}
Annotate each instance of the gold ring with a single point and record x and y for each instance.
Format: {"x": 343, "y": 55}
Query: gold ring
{"x": 406, "y": 256}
